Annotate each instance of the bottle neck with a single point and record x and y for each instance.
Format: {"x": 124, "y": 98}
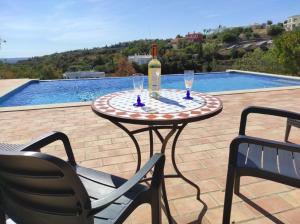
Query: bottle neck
{"x": 154, "y": 51}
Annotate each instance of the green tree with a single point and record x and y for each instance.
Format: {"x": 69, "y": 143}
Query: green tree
{"x": 269, "y": 22}
{"x": 248, "y": 35}
{"x": 48, "y": 72}
{"x": 280, "y": 24}
{"x": 229, "y": 37}
{"x": 275, "y": 30}
{"x": 247, "y": 30}
{"x": 99, "y": 60}
{"x": 256, "y": 35}
{"x": 259, "y": 61}
{"x": 287, "y": 49}
{"x": 209, "y": 49}
{"x": 100, "y": 68}
{"x": 209, "y": 53}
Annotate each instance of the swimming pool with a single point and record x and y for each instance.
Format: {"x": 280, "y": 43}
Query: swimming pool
{"x": 66, "y": 91}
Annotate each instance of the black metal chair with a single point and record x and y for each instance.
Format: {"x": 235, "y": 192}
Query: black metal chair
{"x": 289, "y": 124}
{"x": 38, "y": 188}
{"x": 257, "y": 157}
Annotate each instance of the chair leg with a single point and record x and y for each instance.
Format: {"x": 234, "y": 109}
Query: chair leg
{"x": 228, "y": 194}
{"x": 237, "y": 184}
{"x": 156, "y": 208}
{"x": 287, "y": 131}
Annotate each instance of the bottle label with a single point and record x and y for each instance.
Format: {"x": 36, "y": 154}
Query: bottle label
{"x": 155, "y": 76}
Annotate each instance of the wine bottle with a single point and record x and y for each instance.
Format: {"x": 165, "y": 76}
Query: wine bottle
{"x": 154, "y": 73}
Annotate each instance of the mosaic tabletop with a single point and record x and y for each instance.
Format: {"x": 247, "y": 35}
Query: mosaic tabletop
{"x": 169, "y": 108}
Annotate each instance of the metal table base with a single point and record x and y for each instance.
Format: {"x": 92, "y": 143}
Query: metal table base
{"x": 174, "y": 129}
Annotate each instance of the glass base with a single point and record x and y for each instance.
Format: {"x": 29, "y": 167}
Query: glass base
{"x": 138, "y": 104}
{"x": 188, "y": 98}
{"x": 188, "y": 95}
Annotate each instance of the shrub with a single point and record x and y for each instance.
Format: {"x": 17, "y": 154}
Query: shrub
{"x": 229, "y": 37}
{"x": 125, "y": 68}
{"x": 275, "y": 30}
{"x": 248, "y": 35}
{"x": 259, "y": 61}
{"x": 256, "y": 35}
{"x": 247, "y": 30}
{"x": 287, "y": 49}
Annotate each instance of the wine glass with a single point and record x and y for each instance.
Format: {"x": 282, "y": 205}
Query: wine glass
{"x": 138, "y": 83}
{"x": 188, "y": 81}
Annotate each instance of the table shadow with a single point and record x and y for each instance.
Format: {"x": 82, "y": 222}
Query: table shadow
{"x": 169, "y": 101}
{"x": 150, "y": 109}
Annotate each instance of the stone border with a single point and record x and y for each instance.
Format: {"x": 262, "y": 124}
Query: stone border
{"x": 17, "y": 87}
{"x": 45, "y": 106}
{"x": 87, "y": 103}
{"x": 263, "y": 74}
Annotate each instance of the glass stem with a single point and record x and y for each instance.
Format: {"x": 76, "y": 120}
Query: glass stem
{"x": 188, "y": 94}
{"x": 138, "y": 100}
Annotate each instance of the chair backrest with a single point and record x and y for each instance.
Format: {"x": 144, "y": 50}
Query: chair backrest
{"x": 37, "y": 188}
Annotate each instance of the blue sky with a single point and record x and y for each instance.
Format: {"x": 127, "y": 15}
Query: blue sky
{"x": 39, "y": 27}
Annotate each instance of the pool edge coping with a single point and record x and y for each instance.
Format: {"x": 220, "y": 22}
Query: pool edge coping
{"x": 263, "y": 73}
{"x": 16, "y": 87}
{"x": 87, "y": 103}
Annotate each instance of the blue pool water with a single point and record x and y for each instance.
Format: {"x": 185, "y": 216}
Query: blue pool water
{"x": 65, "y": 91}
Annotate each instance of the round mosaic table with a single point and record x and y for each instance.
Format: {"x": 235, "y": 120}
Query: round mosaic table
{"x": 170, "y": 112}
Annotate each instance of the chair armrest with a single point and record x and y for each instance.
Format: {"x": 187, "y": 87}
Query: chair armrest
{"x": 234, "y": 146}
{"x": 156, "y": 160}
{"x": 267, "y": 111}
{"x": 48, "y": 138}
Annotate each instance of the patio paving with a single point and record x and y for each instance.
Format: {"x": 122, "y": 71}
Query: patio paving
{"x": 202, "y": 153}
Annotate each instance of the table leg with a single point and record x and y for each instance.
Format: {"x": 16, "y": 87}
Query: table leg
{"x": 151, "y": 141}
{"x": 137, "y": 146}
{"x": 175, "y": 165}
{"x": 164, "y": 141}
{"x": 164, "y": 192}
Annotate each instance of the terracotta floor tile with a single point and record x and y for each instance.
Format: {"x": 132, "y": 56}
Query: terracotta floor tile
{"x": 201, "y": 155}
{"x": 292, "y": 197}
{"x": 292, "y": 216}
{"x": 273, "y": 204}
{"x": 264, "y": 188}
{"x": 187, "y": 205}
{"x": 118, "y": 159}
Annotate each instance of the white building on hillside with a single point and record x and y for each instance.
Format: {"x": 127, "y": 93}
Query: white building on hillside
{"x": 292, "y": 23}
{"x": 83, "y": 75}
{"x": 140, "y": 59}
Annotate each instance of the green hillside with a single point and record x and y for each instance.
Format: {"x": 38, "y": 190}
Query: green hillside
{"x": 248, "y": 48}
